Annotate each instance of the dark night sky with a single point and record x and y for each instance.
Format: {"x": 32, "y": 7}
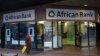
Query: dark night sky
{"x": 6, "y": 5}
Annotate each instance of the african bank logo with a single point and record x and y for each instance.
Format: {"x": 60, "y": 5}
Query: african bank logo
{"x": 51, "y": 13}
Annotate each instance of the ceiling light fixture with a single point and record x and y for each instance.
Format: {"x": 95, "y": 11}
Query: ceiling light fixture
{"x": 85, "y": 5}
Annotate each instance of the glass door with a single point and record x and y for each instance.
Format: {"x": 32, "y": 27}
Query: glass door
{"x": 68, "y": 32}
{"x": 85, "y": 33}
{"x": 92, "y": 34}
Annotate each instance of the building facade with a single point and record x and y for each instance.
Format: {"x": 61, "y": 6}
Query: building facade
{"x": 49, "y": 27}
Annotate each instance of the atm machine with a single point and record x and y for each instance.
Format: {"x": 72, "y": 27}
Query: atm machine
{"x": 7, "y": 35}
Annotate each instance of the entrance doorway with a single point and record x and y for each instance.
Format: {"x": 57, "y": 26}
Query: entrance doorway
{"x": 68, "y": 33}
{"x": 40, "y": 35}
{"x": 74, "y": 33}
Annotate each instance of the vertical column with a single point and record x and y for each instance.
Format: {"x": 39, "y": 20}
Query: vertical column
{"x": 3, "y": 36}
{"x": 75, "y": 33}
{"x": 19, "y": 34}
{"x": 97, "y": 34}
{"x": 88, "y": 35}
{"x": 80, "y": 34}
{"x": 35, "y": 33}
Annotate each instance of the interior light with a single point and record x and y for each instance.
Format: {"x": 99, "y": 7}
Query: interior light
{"x": 66, "y": 23}
{"x": 59, "y": 22}
{"x": 86, "y": 23}
{"x": 31, "y": 22}
{"x": 91, "y": 24}
{"x": 85, "y": 5}
{"x": 41, "y": 22}
{"x": 13, "y": 23}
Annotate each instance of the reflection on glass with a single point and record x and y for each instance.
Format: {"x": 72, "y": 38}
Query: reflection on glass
{"x": 59, "y": 35}
{"x": 84, "y": 33}
{"x": 88, "y": 33}
{"x": 14, "y": 33}
{"x": 55, "y": 35}
{"x": 23, "y": 29}
{"x": 48, "y": 35}
{"x": 92, "y": 34}
{"x": 11, "y": 34}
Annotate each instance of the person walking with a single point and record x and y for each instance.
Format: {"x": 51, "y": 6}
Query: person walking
{"x": 28, "y": 43}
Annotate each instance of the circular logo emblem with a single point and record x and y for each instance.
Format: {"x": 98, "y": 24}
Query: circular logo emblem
{"x": 51, "y": 13}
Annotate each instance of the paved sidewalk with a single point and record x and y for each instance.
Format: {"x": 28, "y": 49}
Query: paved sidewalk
{"x": 66, "y": 51}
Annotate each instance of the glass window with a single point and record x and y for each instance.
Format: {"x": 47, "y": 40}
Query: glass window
{"x": 48, "y": 34}
{"x": 55, "y": 34}
{"x": 92, "y": 34}
{"x": 22, "y": 30}
{"x": 88, "y": 33}
{"x": 11, "y": 35}
{"x": 16, "y": 33}
{"x": 30, "y": 28}
{"x": 59, "y": 35}
{"x": 84, "y": 33}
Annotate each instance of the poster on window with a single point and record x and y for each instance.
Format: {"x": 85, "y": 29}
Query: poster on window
{"x": 48, "y": 35}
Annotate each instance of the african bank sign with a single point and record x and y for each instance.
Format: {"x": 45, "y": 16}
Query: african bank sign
{"x": 19, "y": 16}
{"x": 70, "y": 14}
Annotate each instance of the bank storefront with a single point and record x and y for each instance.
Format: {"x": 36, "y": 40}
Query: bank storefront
{"x": 50, "y": 28}
{"x": 17, "y": 24}
{"x": 70, "y": 27}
